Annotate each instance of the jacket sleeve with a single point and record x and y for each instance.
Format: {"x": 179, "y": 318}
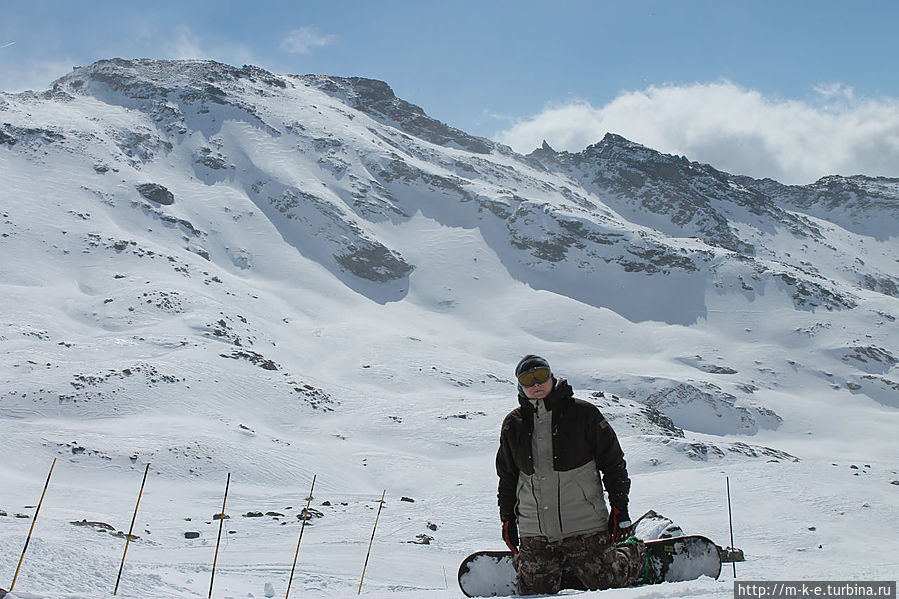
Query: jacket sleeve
{"x": 507, "y": 471}
{"x": 610, "y": 461}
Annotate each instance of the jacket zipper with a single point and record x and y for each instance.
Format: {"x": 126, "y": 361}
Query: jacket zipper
{"x": 559, "y": 505}
{"x": 537, "y": 503}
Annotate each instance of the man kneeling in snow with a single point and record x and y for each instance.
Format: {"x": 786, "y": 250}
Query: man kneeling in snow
{"x": 553, "y": 449}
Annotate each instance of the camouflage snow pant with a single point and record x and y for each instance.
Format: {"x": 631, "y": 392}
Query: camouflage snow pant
{"x": 591, "y": 558}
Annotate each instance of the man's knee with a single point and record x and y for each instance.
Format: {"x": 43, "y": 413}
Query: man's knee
{"x": 538, "y": 571}
{"x": 632, "y": 558}
{"x": 540, "y": 584}
{"x": 601, "y": 565}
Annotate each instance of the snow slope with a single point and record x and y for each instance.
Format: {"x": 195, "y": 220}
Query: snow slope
{"x": 339, "y": 286}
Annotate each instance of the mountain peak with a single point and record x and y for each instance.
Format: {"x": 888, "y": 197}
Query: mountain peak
{"x": 149, "y": 80}
{"x": 162, "y": 71}
{"x": 613, "y": 144}
{"x": 614, "y": 139}
{"x": 378, "y": 100}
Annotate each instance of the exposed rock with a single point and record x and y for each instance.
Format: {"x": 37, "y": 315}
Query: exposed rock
{"x": 422, "y": 539}
{"x": 156, "y": 193}
{"x": 755, "y": 451}
{"x": 251, "y": 357}
{"x": 309, "y": 514}
{"x": 808, "y": 294}
{"x": 871, "y": 359}
{"x": 858, "y": 203}
{"x": 881, "y": 284}
{"x": 377, "y": 99}
{"x": 101, "y": 526}
{"x": 30, "y": 136}
{"x": 709, "y": 410}
{"x": 700, "y": 364}
{"x": 463, "y": 416}
{"x": 372, "y": 261}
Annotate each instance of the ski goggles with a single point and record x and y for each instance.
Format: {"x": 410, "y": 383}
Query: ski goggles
{"x": 533, "y": 377}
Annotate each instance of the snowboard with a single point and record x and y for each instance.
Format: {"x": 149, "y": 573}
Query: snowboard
{"x": 491, "y": 573}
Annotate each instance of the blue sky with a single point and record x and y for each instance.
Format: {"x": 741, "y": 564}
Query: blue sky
{"x": 756, "y": 87}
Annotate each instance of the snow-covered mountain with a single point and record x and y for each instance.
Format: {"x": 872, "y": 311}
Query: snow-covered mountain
{"x": 218, "y": 270}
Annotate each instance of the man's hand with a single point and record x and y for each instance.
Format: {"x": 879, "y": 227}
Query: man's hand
{"x": 510, "y": 535}
{"x": 620, "y": 526}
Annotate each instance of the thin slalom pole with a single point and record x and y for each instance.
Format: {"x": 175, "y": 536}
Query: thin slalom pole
{"x": 730, "y": 520}
{"x": 359, "y": 592}
{"x": 130, "y": 530}
{"x": 31, "y": 530}
{"x": 300, "y": 540}
{"x": 219, "y": 540}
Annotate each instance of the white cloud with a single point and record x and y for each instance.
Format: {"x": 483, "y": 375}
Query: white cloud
{"x": 304, "y": 39}
{"x": 187, "y": 45}
{"x": 734, "y": 129}
{"x": 18, "y": 76}
{"x": 834, "y": 91}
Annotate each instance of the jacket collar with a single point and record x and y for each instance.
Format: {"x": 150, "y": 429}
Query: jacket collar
{"x": 561, "y": 395}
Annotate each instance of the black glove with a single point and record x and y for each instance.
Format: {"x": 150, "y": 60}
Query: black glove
{"x": 510, "y": 535}
{"x": 620, "y": 525}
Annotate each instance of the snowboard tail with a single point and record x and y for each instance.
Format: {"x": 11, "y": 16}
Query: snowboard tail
{"x": 492, "y": 574}
{"x": 681, "y": 558}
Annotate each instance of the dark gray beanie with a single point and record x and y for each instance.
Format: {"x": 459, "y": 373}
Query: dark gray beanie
{"x": 530, "y": 362}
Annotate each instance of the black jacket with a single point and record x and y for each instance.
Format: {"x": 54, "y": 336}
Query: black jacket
{"x": 580, "y": 434}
